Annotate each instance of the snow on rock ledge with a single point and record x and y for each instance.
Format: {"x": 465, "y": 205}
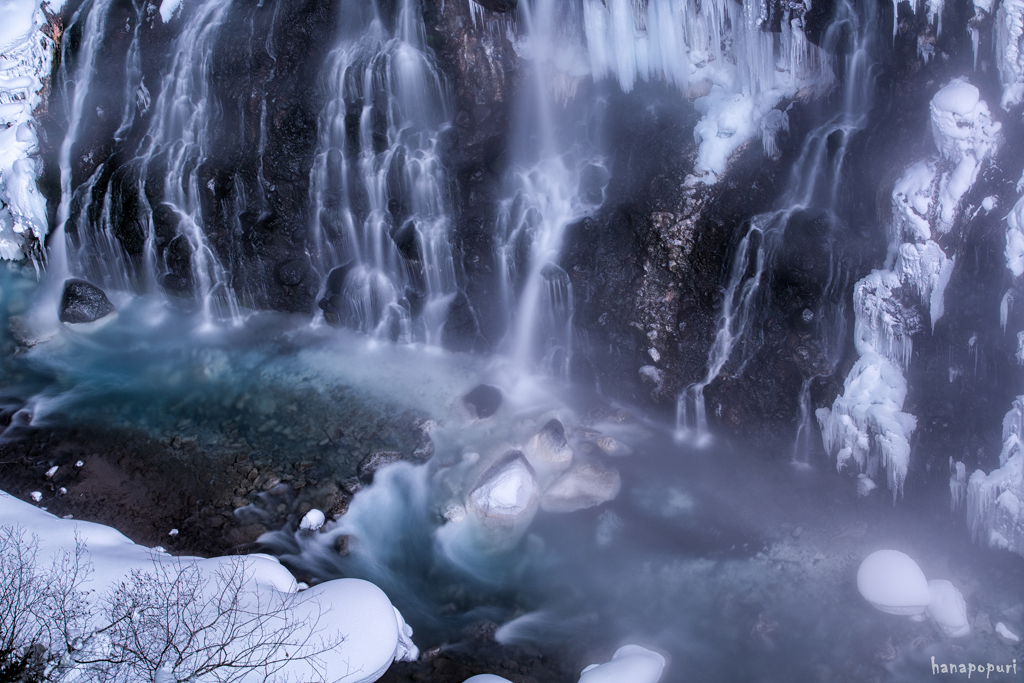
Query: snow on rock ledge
{"x": 26, "y": 54}
{"x": 995, "y": 501}
{"x": 374, "y": 632}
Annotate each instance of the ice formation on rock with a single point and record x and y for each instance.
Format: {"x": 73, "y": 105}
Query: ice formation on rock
{"x": 893, "y": 583}
{"x": 995, "y": 512}
{"x": 1010, "y": 51}
{"x": 1015, "y": 242}
{"x": 630, "y": 663}
{"x": 866, "y": 425}
{"x": 719, "y": 48}
{"x": 26, "y": 53}
{"x": 506, "y": 496}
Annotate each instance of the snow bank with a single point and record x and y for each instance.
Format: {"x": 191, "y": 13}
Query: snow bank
{"x": 374, "y": 632}
{"x": 893, "y": 583}
{"x": 630, "y": 663}
{"x": 1010, "y": 51}
{"x": 995, "y": 512}
{"x": 720, "y": 48}
{"x": 26, "y": 54}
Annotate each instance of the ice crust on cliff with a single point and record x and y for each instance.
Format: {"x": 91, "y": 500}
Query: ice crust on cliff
{"x": 995, "y": 512}
{"x": 866, "y": 426}
{"x": 1010, "y": 51}
{"x": 719, "y": 50}
{"x": 26, "y": 55}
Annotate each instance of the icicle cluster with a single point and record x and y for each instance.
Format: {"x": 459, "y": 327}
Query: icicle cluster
{"x": 866, "y": 427}
{"x": 25, "y": 57}
{"x": 995, "y": 512}
{"x": 719, "y": 49}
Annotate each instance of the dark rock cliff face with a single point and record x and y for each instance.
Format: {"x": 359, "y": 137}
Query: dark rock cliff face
{"x": 648, "y": 269}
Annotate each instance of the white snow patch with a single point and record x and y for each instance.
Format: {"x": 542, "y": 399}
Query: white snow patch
{"x": 893, "y": 583}
{"x": 168, "y": 8}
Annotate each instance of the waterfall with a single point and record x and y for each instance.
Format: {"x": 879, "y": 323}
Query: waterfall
{"x": 557, "y": 179}
{"x": 813, "y": 190}
{"x": 380, "y": 194}
{"x": 135, "y": 221}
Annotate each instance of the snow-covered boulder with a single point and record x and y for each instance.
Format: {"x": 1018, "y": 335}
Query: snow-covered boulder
{"x": 893, "y": 583}
{"x": 486, "y": 678}
{"x": 948, "y": 609}
{"x": 585, "y": 485}
{"x": 312, "y": 520}
{"x": 548, "y": 451}
{"x": 506, "y": 495}
{"x": 630, "y": 664}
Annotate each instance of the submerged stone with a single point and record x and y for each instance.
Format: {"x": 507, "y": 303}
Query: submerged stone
{"x": 548, "y": 451}
{"x": 505, "y": 497}
{"x": 83, "y": 302}
{"x": 585, "y": 485}
{"x": 484, "y": 400}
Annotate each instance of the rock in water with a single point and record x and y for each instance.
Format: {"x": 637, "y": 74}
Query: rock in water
{"x": 505, "y": 497}
{"x": 1006, "y": 635}
{"x": 893, "y": 583}
{"x": 377, "y": 460}
{"x": 948, "y": 609}
{"x": 630, "y": 664}
{"x": 549, "y": 452}
{"x": 484, "y": 400}
{"x": 585, "y": 485}
{"x": 83, "y": 302}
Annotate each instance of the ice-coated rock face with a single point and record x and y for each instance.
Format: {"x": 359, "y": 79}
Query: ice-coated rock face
{"x": 506, "y": 495}
{"x": 948, "y": 608}
{"x": 630, "y": 664}
{"x": 585, "y": 485}
{"x": 83, "y": 302}
{"x": 1010, "y": 51}
{"x": 962, "y": 124}
{"x": 1015, "y": 239}
{"x": 995, "y": 511}
{"x": 893, "y": 583}
{"x": 548, "y": 451}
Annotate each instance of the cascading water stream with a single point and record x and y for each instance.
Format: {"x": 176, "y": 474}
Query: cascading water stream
{"x": 381, "y": 219}
{"x": 813, "y": 187}
{"x": 558, "y": 179}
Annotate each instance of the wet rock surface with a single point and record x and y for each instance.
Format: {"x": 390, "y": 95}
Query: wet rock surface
{"x": 83, "y": 302}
